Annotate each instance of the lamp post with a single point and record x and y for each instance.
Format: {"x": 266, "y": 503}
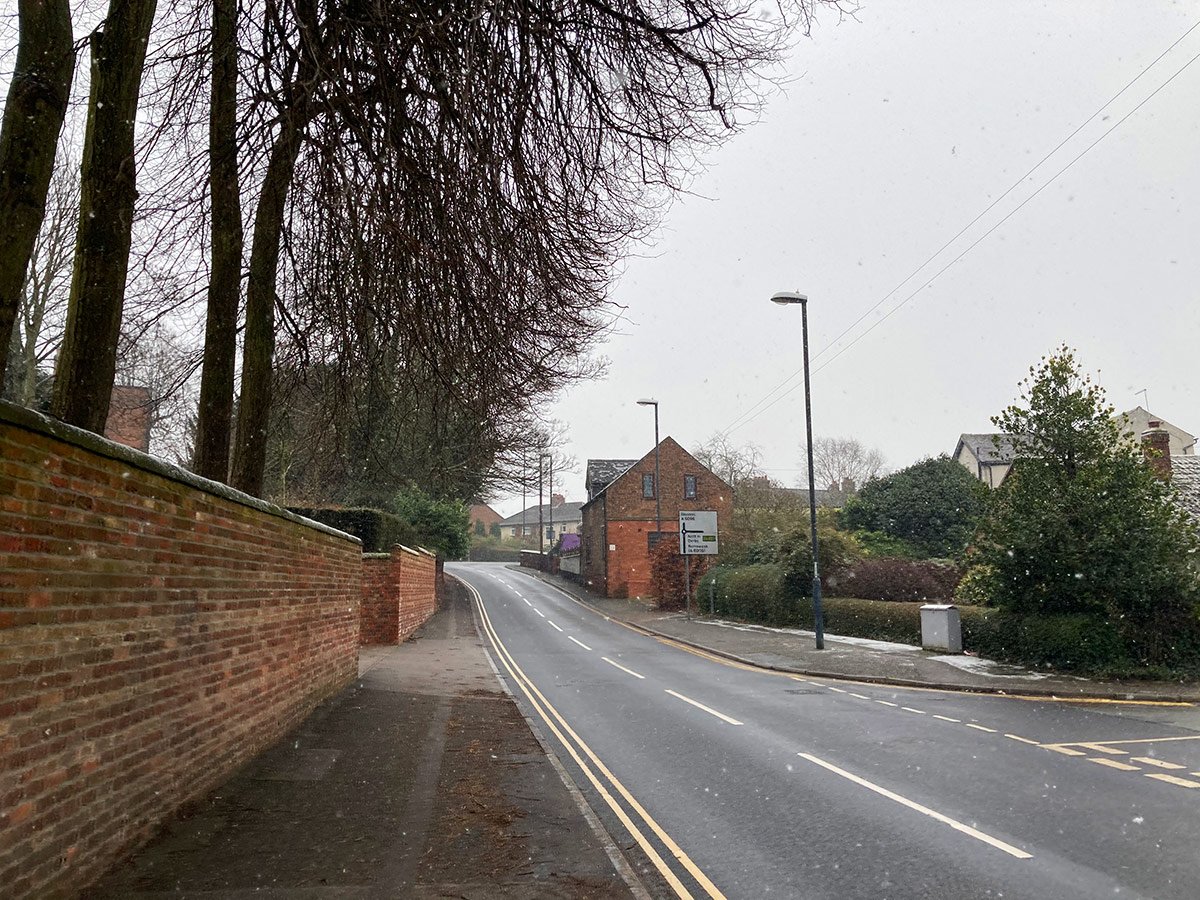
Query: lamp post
{"x": 550, "y": 466}
{"x": 541, "y": 527}
{"x": 787, "y": 298}
{"x": 657, "y": 486}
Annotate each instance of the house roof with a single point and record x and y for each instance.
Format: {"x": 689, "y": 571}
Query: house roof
{"x": 603, "y": 472}
{"x": 1185, "y": 477}
{"x": 1135, "y": 421}
{"x": 624, "y": 465}
{"x": 989, "y": 449}
{"x": 564, "y": 512}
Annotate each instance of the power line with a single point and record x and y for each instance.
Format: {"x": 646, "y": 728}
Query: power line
{"x": 749, "y": 415}
{"x": 1015, "y": 210}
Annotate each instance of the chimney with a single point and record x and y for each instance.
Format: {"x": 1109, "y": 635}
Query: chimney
{"x": 1156, "y": 445}
{"x": 557, "y": 500}
{"x": 847, "y": 485}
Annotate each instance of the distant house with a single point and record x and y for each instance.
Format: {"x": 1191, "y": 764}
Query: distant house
{"x": 760, "y": 492}
{"x": 986, "y": 456}
{"x": 1182, "y": 471}
{"x": 990, "y": 456}
{"x": 1136, "y": 423}
{"x": 129, "y": 415}
{"x": 558, "y": 517}
{"x": 619, "y": 524}
{"x": 483, "y": 517}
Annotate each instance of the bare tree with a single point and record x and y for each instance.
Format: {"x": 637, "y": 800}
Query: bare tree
{"x": 33, "y": 118}
{"x": 87, "y": 362}
{"x": 496, "y": 161}
{"x": 224, "y": 290}
{"x": 735, "y": 465}
{"x": 163, "y": 362}
{"x": 43, "y": 300}
{"x": 842, "y": 464}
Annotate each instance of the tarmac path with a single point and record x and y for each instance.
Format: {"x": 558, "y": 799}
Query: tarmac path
{"x": 731, "y": 781}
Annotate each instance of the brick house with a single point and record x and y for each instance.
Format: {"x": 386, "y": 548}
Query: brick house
{"x": 129, "y": 414}
{"x": 619, "y": 515}
{"x": 483, "y": 517}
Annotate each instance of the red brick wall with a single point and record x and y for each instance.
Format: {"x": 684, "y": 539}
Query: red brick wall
{"x": 153, "y": 637}
{"x": 415, "y": 574}
{"x": 628, "y": 517}
{"x": 379, "y": 614}
{"x": 399, "y": 592}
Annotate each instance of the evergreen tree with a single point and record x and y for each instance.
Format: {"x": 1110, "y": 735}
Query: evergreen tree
{"x": 1082, "y": 525}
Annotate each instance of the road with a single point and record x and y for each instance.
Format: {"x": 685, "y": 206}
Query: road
{"x": 723, "y": 780}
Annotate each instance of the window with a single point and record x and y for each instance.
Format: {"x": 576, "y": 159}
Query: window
{"x": 648, "y": 487}
{"x": 689, "y": 487}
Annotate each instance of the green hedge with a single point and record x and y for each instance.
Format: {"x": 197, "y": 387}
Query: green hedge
{"x": 1070, "y": 643}
{"x": 757, "y": 594}
{"x": 379, "y": 531}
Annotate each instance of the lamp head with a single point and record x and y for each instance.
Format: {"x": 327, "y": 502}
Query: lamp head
{"x": 647, "y": 403}
{"x": 785, "y": 298}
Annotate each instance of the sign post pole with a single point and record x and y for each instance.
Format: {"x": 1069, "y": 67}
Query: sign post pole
{"x": 687, "y": 580}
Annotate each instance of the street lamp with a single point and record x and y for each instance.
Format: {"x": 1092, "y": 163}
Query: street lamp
{"x": 787, "y": 298}
{"x": 657, "y": 486}
{"x": 541, "y": 527}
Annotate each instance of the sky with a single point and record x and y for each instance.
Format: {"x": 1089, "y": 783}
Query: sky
{"x": 892, "y": 133}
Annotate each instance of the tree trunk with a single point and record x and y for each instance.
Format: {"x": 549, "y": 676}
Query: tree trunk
{"x": 220, "y": 337}
{"x": 87, "y": 362}
{"x": 33, "y": 118}
{"x": 254, "y": 406}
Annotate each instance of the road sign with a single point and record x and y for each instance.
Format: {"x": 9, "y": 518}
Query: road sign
{"x": 698, "y": 532}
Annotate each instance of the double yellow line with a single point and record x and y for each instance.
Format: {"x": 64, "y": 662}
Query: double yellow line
{"x": 599, "y": 774}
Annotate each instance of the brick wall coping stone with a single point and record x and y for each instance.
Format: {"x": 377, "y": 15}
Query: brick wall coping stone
{"x": 427, "y": 552}
{"x": 36, "y": 422}
{"x": 408, "y": 550}
{"x": 377, "y": 556}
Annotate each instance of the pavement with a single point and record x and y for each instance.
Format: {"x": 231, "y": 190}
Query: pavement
{"x": 423, "y": 779}
{"x": 856, "y": 659}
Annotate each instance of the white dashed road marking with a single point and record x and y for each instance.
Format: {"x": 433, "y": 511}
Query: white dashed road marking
{"x": 707, "y": 709}
{"x": 622, "y": 668}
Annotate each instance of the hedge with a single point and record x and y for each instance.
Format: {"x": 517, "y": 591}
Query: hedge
{"x": 902, "y": 580}
{"x": 1071, "y": 643}
{"x": 757, "y": 594}
{"x": 379, "y": 531}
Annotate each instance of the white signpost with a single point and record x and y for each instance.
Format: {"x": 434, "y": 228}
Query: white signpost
{"x": 697, "y": 537}
{"x": 698, "y": 532}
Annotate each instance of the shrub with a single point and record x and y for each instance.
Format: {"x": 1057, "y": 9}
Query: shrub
{"x": 876, "y": 543}
{"x": 379, "y": 531}
{"x": 933, "y": 505}
{"x": 876, "y": 619}
{"x": 751, "y": 593}
{"x": 1074, "y": 642}
{"x": 757, "y": 594}
{"x": 445, "y": 524}
{"x": 668, "y": 580}
{"x": 900, "y": 580}
{"x": 977, "y": 585}
{"x": 791, "y": 548}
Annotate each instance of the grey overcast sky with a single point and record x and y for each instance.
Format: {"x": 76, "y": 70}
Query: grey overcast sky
{"x": 894, "y": 132}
